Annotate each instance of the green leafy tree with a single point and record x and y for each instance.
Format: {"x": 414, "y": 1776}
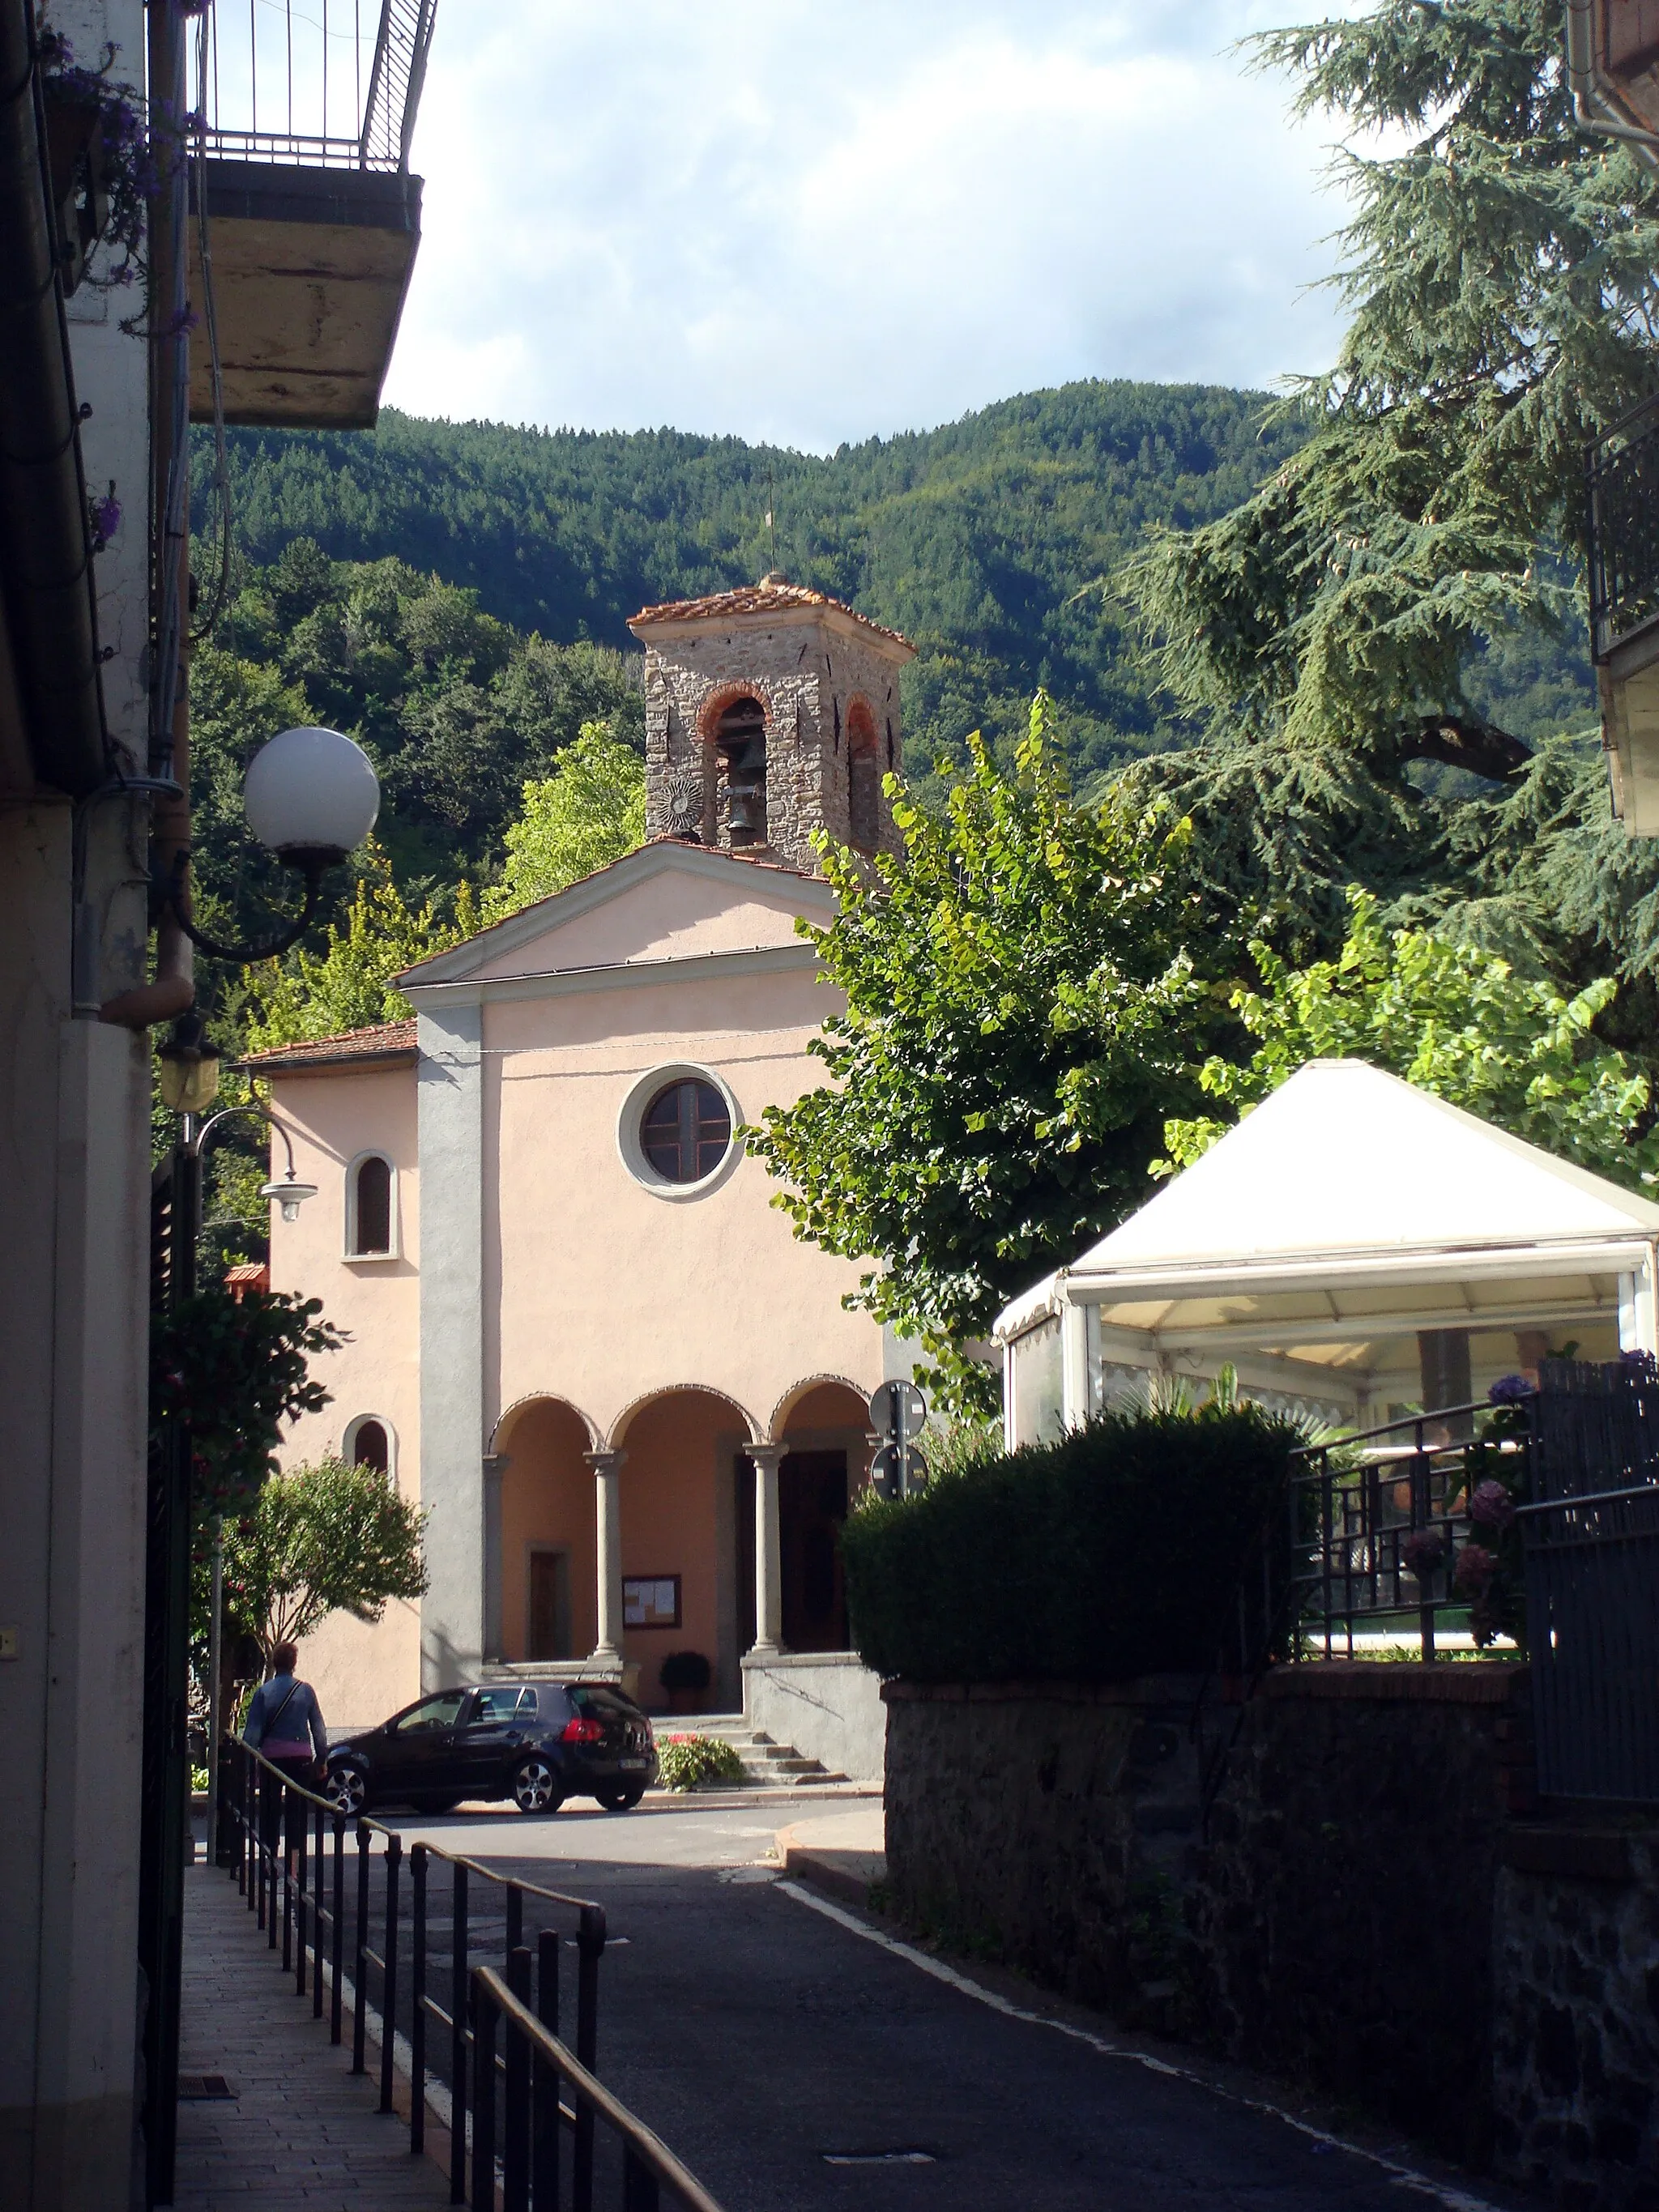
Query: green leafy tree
{"x": 1023, "y": 986}
{"x": 325, "y": 1538}
{"x": 1349, "y": 632}
{"x": 234, "y": 1372}
{"x": 1452, "y": 1020}
{"x": 590, "y": 811}
{"x": 347, "y": 984}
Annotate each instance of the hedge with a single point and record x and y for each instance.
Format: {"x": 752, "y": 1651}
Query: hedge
{"x": 1112, "y": 1552}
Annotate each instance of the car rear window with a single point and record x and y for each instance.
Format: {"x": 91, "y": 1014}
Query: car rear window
{"x": 602, "y": 1705}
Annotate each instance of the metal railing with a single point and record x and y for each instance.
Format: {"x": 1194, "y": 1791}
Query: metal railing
{"x": 287, "y": 1847}
{"x": 325, "y": 83}
{"x": 1623, "y": 472}
{"x": 1364, "y": 1538}
{"x": 1591, "y": 1532}
{"x": 536, "y": 2067}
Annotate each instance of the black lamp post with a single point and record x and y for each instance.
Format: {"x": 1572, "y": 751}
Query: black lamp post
{"x": 311, "y": 796}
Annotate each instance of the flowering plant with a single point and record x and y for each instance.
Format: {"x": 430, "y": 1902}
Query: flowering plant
{"x": 1423, "y": 1551}
{"x": 685, "y": 1762}
{"x": 103, "y": 167}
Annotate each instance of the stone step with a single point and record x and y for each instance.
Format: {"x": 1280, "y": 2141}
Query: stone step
{"x": 764, "y": 1761}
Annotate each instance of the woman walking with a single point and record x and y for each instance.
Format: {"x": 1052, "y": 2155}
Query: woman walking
{"x": 285, "y": 1724}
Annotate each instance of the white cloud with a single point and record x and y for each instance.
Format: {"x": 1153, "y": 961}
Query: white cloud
{"x": 811, "y": 228}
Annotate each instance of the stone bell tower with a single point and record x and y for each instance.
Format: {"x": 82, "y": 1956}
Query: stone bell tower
{"x": 771, "y": 713}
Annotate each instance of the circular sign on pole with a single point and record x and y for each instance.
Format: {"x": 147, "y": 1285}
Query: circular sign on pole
{"x": 916, "y": 1470}
{"x": 887, "y": 1471}
{"x": 897, "y": 1410}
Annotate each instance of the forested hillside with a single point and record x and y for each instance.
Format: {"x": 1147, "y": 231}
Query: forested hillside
{"x": 975, "y": 539}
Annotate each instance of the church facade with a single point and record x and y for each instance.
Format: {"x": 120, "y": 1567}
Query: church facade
{"x": 581, "y": 1335}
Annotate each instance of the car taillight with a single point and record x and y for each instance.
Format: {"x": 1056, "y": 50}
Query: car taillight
{"x": 581, "y": 1731}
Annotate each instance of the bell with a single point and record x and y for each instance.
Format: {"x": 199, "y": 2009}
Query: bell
{"x": 745, "y": 811}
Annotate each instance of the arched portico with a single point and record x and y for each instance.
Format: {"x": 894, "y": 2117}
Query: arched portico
{"x": 541, "y": 1546}
{"x": 680, "y": 1454}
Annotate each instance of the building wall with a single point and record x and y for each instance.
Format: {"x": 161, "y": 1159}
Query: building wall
{"x": 74, "y": 1175}
{"x": 807, "y": 676}
{"x": 604, "y": 1292}
{"x": 361, "y": 1672}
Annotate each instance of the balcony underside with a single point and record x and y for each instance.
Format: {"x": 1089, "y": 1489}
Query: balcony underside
{"x": 310, "y": 268}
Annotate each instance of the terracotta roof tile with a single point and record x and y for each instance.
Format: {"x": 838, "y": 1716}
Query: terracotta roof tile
{"x": 387, "y": 1041}
{"x": 762, "y": 599}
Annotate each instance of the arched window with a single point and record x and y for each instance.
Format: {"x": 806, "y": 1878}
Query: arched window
{"x": 686, "y": 1131}
{"x": 863, "y": 779}
{"x": 370, "y": 1447}
{"x": 740, "y": 744}
{"x": 369, "y": 1219}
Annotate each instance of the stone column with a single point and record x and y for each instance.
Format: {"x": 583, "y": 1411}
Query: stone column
{"x": 495, "y": 1466}
{"x": 768, "y": 1550}
{"x": 607, "y": 1469}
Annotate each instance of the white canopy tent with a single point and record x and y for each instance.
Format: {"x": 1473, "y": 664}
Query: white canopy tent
{"x": 1322, "y": 1245}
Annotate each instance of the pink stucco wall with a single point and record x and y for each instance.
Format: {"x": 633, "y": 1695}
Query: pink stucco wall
{"x": 597, "y": 1293}
{"x": 360, "y": 1673}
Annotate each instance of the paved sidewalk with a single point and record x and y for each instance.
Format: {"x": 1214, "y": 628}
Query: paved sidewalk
{"x": 844, "y": 1853}
{"x": 301, "y": 2131}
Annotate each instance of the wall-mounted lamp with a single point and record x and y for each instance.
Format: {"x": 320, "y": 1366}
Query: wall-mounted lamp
{"x": 311, "y": 796}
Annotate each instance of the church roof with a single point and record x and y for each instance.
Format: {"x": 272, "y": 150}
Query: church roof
{"x": 771, "y": 596}
{"x": 385, "y": 1041}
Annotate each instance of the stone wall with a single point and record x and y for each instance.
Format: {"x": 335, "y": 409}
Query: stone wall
{"x": 1357, "y": 1912}
{"x": 1576, "y": 2056}
{"x": 807, "y": 677}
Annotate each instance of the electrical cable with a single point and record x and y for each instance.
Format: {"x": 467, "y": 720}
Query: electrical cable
{"x": 221, "y": 592}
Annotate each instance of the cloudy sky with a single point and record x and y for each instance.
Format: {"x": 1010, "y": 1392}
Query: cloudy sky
{"x": 809, "y": 225}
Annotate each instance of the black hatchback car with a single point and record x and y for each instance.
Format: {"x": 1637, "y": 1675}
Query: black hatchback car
{"x": 536, "y": 1743}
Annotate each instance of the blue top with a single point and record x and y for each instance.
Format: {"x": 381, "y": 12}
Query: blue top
{"x": 295, "y": 1720}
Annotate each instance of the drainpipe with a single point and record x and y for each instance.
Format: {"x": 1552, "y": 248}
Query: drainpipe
{"x": 1591, "y": 109}
{"x": 173, "y": 988}
{"x": 45, "y": 553}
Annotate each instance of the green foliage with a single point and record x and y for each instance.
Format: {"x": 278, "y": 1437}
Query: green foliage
{"x": 1452, "y": 1020}
{"x": 975, "y": 538}
{"x": 1023, "y": 989}
{"x": 590, "y": 811}
{"x": 687, "y": 1762}
{"x": 457, "y": 711}
{"x": 347, "y": 984}
{"x": 1110, "y": 1553}
{"x": 1501, "y": 272}
{"x": 234, "y": 1372}
{"x": 322, "y": 1539}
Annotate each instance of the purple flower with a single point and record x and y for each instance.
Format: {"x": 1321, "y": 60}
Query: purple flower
{"x": 1474, "y": 1570}
{"x": 1510, "y": 1390}
{"x": 1422, "y": 1552}
{"x": 106, "y": 519}
{"x": 1492, "y": 1506}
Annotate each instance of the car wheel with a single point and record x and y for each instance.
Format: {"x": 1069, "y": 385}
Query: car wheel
{"x": 621, "y": 1801}
{"x": 535, "y": 1787}
{"x": 347, "y": 1790}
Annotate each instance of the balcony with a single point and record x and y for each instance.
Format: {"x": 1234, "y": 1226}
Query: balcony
{"x": 1624, "y": 591}
{"x": 313, "y": 217}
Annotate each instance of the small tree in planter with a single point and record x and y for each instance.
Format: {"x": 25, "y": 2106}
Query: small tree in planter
{"x": 685, "y": 1675}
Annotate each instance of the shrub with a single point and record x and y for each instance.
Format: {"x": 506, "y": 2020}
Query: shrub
{"x": 1110, "y": 1553}
{"x": 684, "y": 1670}
{"x": 685, "y": 1762}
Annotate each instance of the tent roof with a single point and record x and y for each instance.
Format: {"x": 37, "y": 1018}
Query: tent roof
{"x": 1346, "y": 1172}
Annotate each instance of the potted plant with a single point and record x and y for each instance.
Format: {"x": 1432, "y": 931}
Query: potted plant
{"x": 685, "y": 1675}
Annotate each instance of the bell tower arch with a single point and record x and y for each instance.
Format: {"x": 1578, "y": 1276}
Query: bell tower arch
{"x": 772, "y": 715}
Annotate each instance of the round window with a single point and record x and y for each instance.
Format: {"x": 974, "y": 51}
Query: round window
{"x": 686, "y": 1132}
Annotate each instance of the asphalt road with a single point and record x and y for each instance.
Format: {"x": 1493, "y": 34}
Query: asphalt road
{"x": 797, "y": 2066}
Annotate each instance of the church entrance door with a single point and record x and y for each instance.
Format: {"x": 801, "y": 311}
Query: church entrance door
{"x": 811, "y": 1507}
